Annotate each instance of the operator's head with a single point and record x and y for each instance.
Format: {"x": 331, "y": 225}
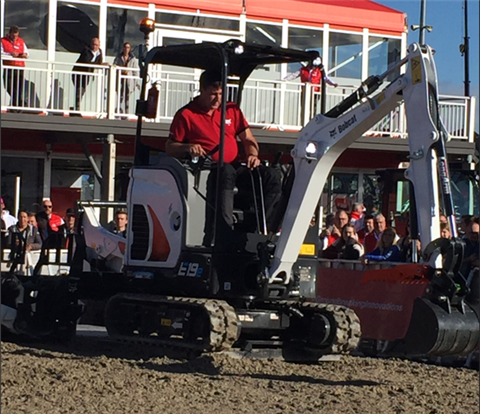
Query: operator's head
{"x": 14, "y": 32}
{"x": 210, "y": 90}
{"x": 95, "y": 44}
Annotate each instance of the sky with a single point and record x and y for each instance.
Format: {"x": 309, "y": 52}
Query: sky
{"x": 447, "y": 19}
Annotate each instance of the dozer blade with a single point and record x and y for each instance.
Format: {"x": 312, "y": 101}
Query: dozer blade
{"x": 435, "y": 331}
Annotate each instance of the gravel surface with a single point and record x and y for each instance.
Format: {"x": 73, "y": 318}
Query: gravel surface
{"x": 91, "y": 376}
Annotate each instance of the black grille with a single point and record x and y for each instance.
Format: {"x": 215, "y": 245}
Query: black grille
{"x": 141, "y": 233}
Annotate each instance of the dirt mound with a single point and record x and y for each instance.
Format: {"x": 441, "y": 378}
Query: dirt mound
{"x": 91, "y": 376}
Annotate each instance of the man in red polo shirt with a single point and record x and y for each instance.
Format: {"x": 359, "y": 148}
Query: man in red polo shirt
{"x": 195, "y": 130}
{"x": 14, "y": 78}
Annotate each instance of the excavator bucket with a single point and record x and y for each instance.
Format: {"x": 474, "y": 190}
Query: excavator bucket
{"x": 439, "y": 330}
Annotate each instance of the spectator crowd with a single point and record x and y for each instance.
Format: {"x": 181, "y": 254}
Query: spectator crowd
{"x": 367, "y": 237}
{"x": 45, "y": 228}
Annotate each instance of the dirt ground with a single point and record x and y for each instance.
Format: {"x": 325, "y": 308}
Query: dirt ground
{"x": 91, "y": 376}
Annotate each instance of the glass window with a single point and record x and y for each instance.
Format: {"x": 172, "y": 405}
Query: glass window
{"x": 342, "y": 191}
{"x": 77, "y": 25}
{"x": 198, "y": 21}
{"x": 371, "y": 192}
{"x": 264, "y": 34}
{"x": 383, "y": 53}
{"x": 30, "y": 171}
{"x": 123, "y": 26}
{"x": 345, "y": 55}
{"x": 31, "y": 16}
{"x": 304, "y": 39}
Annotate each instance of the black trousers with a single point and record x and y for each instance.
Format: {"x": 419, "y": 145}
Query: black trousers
{"x": 14, "y": 81}
{"x": 80, "y": 82}
{"x": 240, "y": 177}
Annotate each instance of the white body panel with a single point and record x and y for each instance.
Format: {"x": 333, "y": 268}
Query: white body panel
{"x": 104, "y": 243}
{"x": 157, "y": 192}
{"x": 331, "y": 136}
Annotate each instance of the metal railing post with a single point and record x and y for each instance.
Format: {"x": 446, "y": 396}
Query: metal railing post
{"x": 111, "y": 91}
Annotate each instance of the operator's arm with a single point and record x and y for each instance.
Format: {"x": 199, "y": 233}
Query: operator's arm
{"x": 180, "y": 149}
{"x": 251, "y": 148}
{"x": 177, "y": 145}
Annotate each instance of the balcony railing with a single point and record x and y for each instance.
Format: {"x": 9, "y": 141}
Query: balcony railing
{"x": 110, "y": 92}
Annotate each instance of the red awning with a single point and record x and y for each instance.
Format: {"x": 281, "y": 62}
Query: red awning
{"x": 347, "y": 14}
{"x": 351, "y": 14}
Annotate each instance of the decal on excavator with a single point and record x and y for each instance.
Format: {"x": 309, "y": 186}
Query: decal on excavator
{"x": 190, "y": 269}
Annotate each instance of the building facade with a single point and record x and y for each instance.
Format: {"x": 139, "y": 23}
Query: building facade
{"x": 48, "y": 152}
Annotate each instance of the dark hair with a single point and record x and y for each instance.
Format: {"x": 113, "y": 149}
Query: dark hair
{"x": 445, "y": 226}
{"x": 121, "y": 212}
{"x": 14, "y": 29}
{"x": 70, "y": 212}
{"x": 368, "y": 217}
{"x": 210, "y": 78}
{"x": 127, "y": 43}
{"x": 22, "y": 211}
{"x": 31, "y": 213}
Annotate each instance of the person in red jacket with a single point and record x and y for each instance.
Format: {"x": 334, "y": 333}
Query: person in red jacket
{"x": 312, "y": 73}
{"x": 13, "y": 77}
{"x": 48, "y": 221}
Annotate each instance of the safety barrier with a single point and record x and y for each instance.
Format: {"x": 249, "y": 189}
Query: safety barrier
{"x": 110, "y": 92}
{"x": 57, "y": 263}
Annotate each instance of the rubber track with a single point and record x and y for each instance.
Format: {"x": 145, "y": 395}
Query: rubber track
{"x": 347, "y": 330}
{"x": 224, "y": 327}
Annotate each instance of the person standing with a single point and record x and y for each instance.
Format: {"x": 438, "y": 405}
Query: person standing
{"x": 372, "y": 238}
{"x": 48, "y": 222}
{"x": 311, "y": 73}
{"x": 14, "y": 77}
{"x": 195, "y": 131}
{"x": 128, "y": 60}
{"x": 92, "y": 55}
{"x": 24, "y": 233}
{"x": 7, "y": 218}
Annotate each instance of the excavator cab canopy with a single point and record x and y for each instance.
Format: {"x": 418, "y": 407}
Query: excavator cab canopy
{"x": 232, "y": 58}
{"x": 238, "y": 58}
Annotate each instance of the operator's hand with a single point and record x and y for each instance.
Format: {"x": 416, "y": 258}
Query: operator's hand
{"x": 253, "y": 161}
{"x": 15, "y": 54}
{"x": 196, "y": 150}
{"x": 23, "y": 55}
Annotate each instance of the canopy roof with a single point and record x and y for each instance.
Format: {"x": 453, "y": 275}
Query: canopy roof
{"x": 212, "y": 56}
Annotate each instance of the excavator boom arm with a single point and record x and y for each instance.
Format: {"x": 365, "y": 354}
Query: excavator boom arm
{"x": 324, "y": 139}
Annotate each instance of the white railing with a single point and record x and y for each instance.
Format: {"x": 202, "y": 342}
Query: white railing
{"x": 111, "y": 92}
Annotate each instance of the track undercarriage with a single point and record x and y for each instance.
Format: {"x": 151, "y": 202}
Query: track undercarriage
{"x": 304, "y": 330}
